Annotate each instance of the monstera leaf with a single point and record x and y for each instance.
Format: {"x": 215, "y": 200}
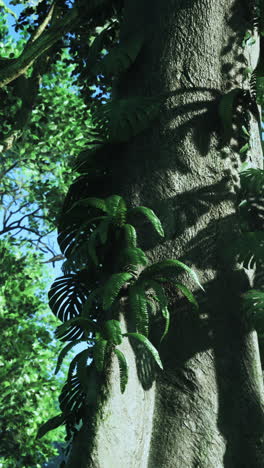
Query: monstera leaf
{"x": 67, "y": 295}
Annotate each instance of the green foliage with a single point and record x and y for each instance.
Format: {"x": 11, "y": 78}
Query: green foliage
{"x": 139, "y": 308}
{"x": 26, "y": 360}
{"x": 123, "y": 368}
{"x": 253, "y": 304}
{"x": 64, "y": 352}
{"x": 51, "y": 424}
{"x": 99, "y": 352}
{"x": 143, "y": 339}
{"x": 169, "y": 268}
{"x": 112, "y": 331}
{"x": 113, "y": 286}
{"x": 150, "y": 215}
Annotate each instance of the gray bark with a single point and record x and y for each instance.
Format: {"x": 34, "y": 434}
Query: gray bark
{"x": 206, "y": 408}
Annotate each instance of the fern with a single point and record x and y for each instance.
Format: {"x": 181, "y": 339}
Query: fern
{"x": 139, "y": 308}
{"x": 120, "y": 120}
{"x": 115, "y": 204}
{"x": 120, "y": 58}
{"x": 123, "y": 369}
{"x": 252, "y": 180}
{"x": 132, "y": 256}
{"x": 113, "y": 287}
{"x": 150, "y": 215}
{"x": 112, "y": 331}
{"x": 248, "y": 247}
{"x": 130, "y": 235}
{"x": 99, "y": 351}
{"x": 253, "y": 304}
{"x": 168, "y": 268}
{"x": 90, "y": 202}
{"x": 64, "y": 352}
{"x": 188, "y": 294}
{"x": 166, "y": 315}
{"x": 103, "y": 230}
{"x": 143, "y": 339}
{"x": 93, "y": 299}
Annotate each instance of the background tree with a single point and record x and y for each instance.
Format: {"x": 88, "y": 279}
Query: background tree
{"x": 194, "y": 62}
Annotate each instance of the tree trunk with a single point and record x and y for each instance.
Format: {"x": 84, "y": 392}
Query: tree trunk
{"x": 206, "y": 408}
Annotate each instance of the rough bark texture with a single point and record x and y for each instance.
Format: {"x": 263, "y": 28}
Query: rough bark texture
{"x": 206, "y": 408}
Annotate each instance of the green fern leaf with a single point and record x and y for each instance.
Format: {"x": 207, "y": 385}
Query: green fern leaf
{"x": 132, "y": 256}
{"x": 166, "y": 315}
{"x": 252, "y": 180}
{"x": 99, "y": 351}
{"x": 123, "y": 369}
{"x": 158, "y": 290}
{"x": 92, "y": 300}
{"x": 113, "y": 287}
{"x": 139, "y": 308}
{"x": 112, "y": 331}
{"x": 120, "y": 58}
{"x": 143, "y": 339}
{"x": 150, "y": 215}
{"x": 92, "y": 202}
{"x": 115, "y": 204}
{"x": 64, "y": 353}
{"x": 130, "y": 235}
{"x": 253, "y": 304}
{"x": 248, "y": 247}
{"x": 73, "y": 365}
{"x": 51, "y": 424}
{"x": 188, "y": 294}
{"x": 168, "y": 268}
{"x": 226, "y": 111}
{"x": 103, "y": 230}
{"x": 120, "y": 120}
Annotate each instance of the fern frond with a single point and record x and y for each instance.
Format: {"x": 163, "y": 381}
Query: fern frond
{"x": 248, "y": 247}
{"x": 150, "y": 215}
{"x": 168, "y": 268}
{"x": 253, "y": 304}
{"x": 123, "y": 369}
{"x": 90, "y": 202}
{"x": 143, "y": 339}
{"x": 188, "y": 294}
{"x": 252, "y": 180}
{"x": 115, "y": 204}
{"x": 112, "y": 331}
{"x": 113, "y": 287}
{"x": 103, "y": 230}
{"x": 130, "y": 235}
{"x": 99, "y": 351}
{"x": 132, "y": 256}
{"x": 93, "y": 297}
{"x": 166, "y": 315}
{"x": 120, "y": 58}
{"x": 158, "y": 289}
{"x": 64, "y": 352}
{"x": 139, "y": 308}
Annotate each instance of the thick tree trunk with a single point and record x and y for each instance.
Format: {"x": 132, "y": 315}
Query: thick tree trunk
{"x": 206, "y": 408}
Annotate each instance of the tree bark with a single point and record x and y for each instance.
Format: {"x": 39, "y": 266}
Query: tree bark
{"x": 206, "y": 408}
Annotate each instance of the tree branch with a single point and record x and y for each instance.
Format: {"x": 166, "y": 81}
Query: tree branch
{"x": 13, "y": 68}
